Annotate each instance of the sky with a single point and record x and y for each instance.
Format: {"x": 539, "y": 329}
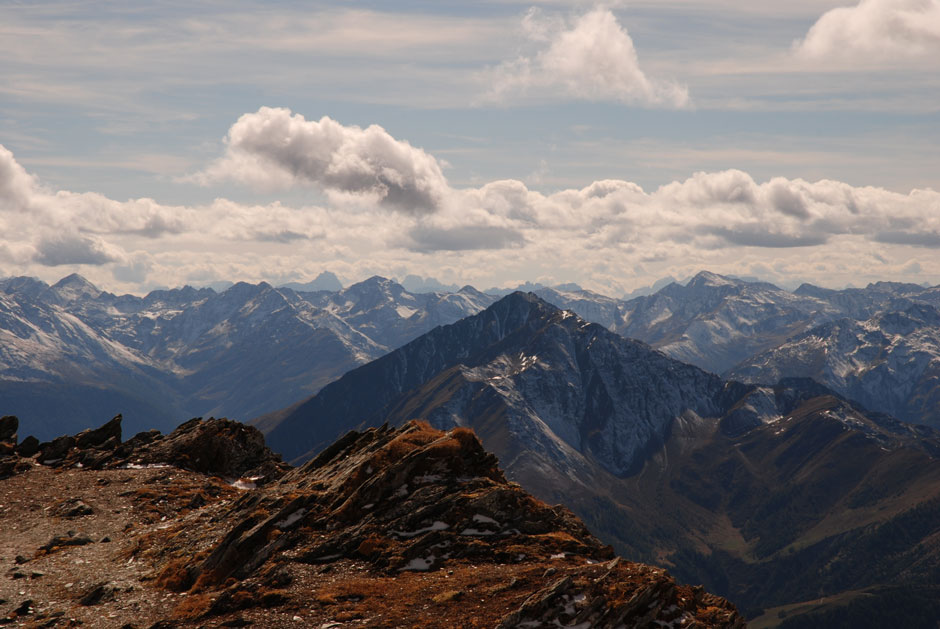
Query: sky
{"x": 148, "y": 145}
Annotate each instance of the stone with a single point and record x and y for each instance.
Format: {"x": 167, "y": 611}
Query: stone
{"x": 28, "y": 447}
{"x": 98, "y": 593}
{"x": 52, "y": 452}
{"x": 99, "y": 436}
{"x": 72, "y": 508}
{"x": 8, "y": 427}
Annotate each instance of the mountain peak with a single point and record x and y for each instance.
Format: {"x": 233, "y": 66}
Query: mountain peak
{"x": 325, "y": 281}
{"x": 376, "y": 283}
{"x": 73, "y": 287}
{"x": 707, "y": 278}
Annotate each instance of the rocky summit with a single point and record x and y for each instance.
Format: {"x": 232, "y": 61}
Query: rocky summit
{"x": 384, "y": 528}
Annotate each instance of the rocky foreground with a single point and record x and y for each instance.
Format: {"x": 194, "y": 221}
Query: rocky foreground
{"x": 386, "y": 528}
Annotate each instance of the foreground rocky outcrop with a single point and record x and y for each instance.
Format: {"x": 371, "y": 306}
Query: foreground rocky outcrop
{"x": 219, "y": 447}
{"x": 385, "y": 528}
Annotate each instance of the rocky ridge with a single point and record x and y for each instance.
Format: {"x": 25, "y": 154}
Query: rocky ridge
{"x": 385, "y": 528}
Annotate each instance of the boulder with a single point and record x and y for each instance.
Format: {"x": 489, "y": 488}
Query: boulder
{"x": 8, "y": 427}
{"x": 28, "y": 447}
{"x": 52, "y": 452}
{"x": 97, "y": 437}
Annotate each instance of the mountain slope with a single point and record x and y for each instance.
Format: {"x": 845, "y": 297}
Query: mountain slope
{"x": 548, "y": 374}
{"x": 388, "y": 528}
{"x": 186, "y": 352}
{"x": 889, "y": 363}
{"x": 756, "y": 491}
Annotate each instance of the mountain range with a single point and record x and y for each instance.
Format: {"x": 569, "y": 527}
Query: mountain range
{"x": 71, "y": 353}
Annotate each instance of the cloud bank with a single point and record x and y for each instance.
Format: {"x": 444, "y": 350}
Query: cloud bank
{"x": 875, "y": 32}
{"x": 408, "y": 218}
{"x": 591, "y": 58}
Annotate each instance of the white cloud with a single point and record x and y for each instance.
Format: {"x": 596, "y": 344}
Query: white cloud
{"x": 593, "y": 58}
{"x": 875, "y": 32}
{"x": 274, "y": 148}
{"x": 600, "y": 235}
{"x": 16, "y": 185}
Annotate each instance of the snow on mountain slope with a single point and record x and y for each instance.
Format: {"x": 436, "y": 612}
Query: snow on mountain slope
{"x": 239, "y": 353}
{"x": 530, "y": 374}
{"x": 889, "y": 363}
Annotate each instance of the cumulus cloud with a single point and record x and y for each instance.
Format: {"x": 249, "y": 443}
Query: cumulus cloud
{"x": 16, "y": 185}
{"x": 274, "y": 148}
{"x": 876, "y": 32}
{"x": 591, "y": 58}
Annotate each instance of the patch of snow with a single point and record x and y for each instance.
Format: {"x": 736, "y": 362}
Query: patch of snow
{"x": 419, "y": 563}
{"x": 436, "y": 526}
{"x": 292, "y": 519}
{"x": 479, "y": 517}
{"x": 476, "y": 532}
{"x": 404, "y": 311}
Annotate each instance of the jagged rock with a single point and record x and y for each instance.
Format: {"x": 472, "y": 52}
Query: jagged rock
{"x": 111, "y": 431}
{"x": 52, "y": 452}
{"x": 8, "y": 427}
{"x": 417, "y": 500}
{"x": 389, "y": 527}
{"x": 219, "y": 447}
{"x": 28, "y": 447}
{"x": 12, "y": 465}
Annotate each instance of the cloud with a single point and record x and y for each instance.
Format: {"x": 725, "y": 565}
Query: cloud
{"x": 75, "y": 249}
{"x": 875, "y": 32}
{"x": 930, "y": 239}
{"x": 16, "y": 185}
{"x": 593, "y": 58}
{"x": 598, "y": 234}
{"x": 273, "y": 148}
{"x": 135, "y": 269}
{"x": 430, "y": 238}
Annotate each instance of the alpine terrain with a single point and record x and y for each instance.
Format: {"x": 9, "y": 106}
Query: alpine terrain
{"x": 205, "y": 527}
{"x": 787, "y": 498}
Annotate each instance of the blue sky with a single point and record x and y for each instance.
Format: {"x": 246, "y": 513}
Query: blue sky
{"x": 794, "y": 142}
